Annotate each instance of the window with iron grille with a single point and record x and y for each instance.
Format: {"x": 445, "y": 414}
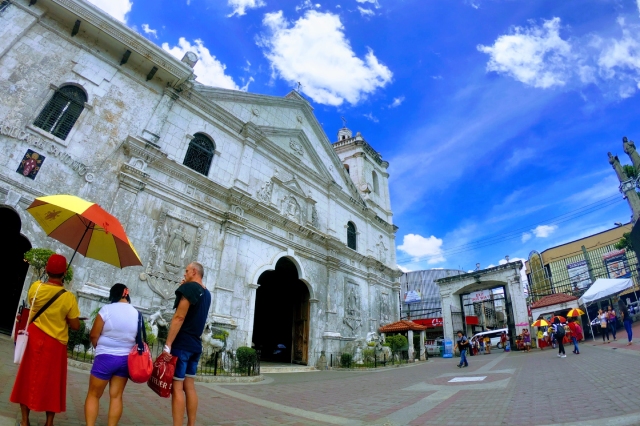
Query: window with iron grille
{"x": 200, "y": 154}
{"x": 4, "y": 4}
{"x": 62, "y": 111}
{"x": 351, "y": 236}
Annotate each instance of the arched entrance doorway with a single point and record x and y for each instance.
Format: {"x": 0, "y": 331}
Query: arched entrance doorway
{"x": 14, "y": 246}
{"x": 281, "y": 321}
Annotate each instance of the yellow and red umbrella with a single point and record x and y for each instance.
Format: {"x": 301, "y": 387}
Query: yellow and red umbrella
{"x": 540, "y": 323}
{"x": 575, "y": 312}
{"x": 85, "y": 227}
{"x": 560, "y": 318}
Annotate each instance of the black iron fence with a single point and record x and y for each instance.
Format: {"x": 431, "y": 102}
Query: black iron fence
{"x": 212, "y": 362}
{"x": 367, "y": 358}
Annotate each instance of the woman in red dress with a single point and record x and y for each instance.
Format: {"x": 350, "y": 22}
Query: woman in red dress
{"x": 41, "y": 383}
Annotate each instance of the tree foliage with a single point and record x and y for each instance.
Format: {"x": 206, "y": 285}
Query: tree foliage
{"x": 397, "y": 342}
{"x": 38, "y": 257}
{"x": 630, "y": 171}
{"x": 625, "y": 242}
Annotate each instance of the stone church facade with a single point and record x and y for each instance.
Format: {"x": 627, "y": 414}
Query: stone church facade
{"x": 248, "y": 185}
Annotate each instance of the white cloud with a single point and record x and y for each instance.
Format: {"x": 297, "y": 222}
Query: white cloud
{"x": 398, "y": 101}
{"x": 420, "y": 247}
{"x": 240, "y": 6}
{"x": 314, "y": 51}
{"x": 526, "y": 237}
{"x": 638, "y": 2}
{"x": 543, "y": 231}
{"x": 375, "y": 3}
{"x": 208, "y": 70}
{"x": 371, "y": 117}
{"x": 148, "y": 30}
{"x": 536, "y": 56}
{"x": 436, "y": 77}
{"x": 403, "y": 269}
{"x": 307, "y": 4}
{"x": 366, "y": 12}
{"x": 116, "y": 8}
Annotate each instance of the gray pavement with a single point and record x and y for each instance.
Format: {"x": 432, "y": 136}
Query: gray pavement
{"x": 598, "y": 387}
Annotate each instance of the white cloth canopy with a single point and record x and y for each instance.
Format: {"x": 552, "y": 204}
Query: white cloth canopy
{"x": 602, "y": 288}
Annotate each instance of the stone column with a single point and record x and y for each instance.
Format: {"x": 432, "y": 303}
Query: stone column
{"x": 410, "y": 338}
{"x": 253, "y": 289}
{"x": 423, "y": 337}
{"x": 153, "y": 129}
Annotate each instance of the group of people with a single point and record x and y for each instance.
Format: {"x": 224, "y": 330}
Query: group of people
{"x": 609, "y": 322}
{"x": 41, "y": 382}
{"x": 480, "y": 345}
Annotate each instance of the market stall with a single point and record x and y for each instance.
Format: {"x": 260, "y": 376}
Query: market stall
{"x": 604, "y": 288}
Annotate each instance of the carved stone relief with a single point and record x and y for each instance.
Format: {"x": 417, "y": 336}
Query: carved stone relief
{"x": 290, "y": 208}
{"x": 382, "y": 250}
{"x": 352, "y": 304}
{"x": 176, "y": 242}
{"x": 296, "y": 147}
{"x": 314, "y": 217}
{"x": 383, "y": 304}
{"x": 264, "y": 193}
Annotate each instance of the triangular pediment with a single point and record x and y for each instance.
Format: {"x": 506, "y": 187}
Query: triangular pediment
{"x": 294, "y": 185}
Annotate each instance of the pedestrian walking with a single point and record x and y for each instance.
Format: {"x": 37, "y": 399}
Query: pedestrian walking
{"x": 503, "y": 340}
{"x": 626, "y": 320}
{"x": 558, "y": 332}
{"x": 604, "y": 326}
{"x": 481, "y": 344}
{"x": 576, "y": 334}
{"x": 462, "y": 345}
{"x": 612, "y": 320}
{"x": 526, "y": 339}
{"x": 184, "y": 341}
{"x": 113, "y": 335}
{"x": 41, "y": 382}
{"x": 487, "y": 345}
{"x": 541, "y": 339}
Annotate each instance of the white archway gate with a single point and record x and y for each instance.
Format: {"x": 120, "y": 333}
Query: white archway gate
{"x": 507, "y": 275}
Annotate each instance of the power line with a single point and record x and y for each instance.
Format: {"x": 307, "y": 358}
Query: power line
{"x": 516, "y": 233}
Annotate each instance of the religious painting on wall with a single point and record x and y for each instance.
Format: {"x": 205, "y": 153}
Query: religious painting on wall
{"x": 30, "y": 164}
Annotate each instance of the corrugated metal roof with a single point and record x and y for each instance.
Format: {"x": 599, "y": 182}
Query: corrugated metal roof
{"x": 424, "y": 282}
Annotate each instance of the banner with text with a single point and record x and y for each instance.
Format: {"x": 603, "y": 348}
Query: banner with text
{"x": 579, "y": 274}
{"x": 480, "y": 296}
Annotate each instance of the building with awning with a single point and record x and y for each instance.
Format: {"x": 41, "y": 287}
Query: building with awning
{"x": 407, "y": 326}
{"x": 553, "y": 303}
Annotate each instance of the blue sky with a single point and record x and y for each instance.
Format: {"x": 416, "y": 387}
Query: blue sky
{"x": 496, "y": 115}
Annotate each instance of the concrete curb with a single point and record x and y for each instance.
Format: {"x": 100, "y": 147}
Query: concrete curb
{"x": 86, "y": 367}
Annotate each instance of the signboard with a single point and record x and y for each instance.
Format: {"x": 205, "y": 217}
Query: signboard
{"x": 412, "y": 296}
{"x": 617, "y": 264}
{"x": 579, "y": 274}
{"x": 429, "y": 322}
{"x": 472, "y": 320}
{"x": 480, "y": 296}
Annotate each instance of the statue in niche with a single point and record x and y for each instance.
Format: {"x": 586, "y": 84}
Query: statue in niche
{"x": 382, "y": 250}
{"x": 291, "y": 208}
{"x": 264, "y": 194}
{"x": 314, "y": 217}
{"x": 177, "y": 249}
{"x": 352, "y": 303}
{"x": 630, "y": 148}
{"x": 615, "y": 163}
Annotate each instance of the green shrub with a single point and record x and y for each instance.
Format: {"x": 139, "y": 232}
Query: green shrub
{"x": 397, "y": 342}
{"x": 37, "y": 257}
{"x": 369, "y": 355}
{"x": 246, "y": 357}
{"x": 79, "y": 337}
{"x": 372, "y": 344}
{"x": 345, "y": 360}
{"x": 151, "y": 338}
{"x": 386, "y": 345}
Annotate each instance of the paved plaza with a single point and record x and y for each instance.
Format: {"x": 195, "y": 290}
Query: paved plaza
{"x": 598, "y": 387}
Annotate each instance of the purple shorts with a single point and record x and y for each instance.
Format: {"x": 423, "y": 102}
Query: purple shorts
{"x": 106, "y": 366}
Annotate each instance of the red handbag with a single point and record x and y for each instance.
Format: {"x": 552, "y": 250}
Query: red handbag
{"x": 161, "y": 380}
{"x": 140, "y": 362}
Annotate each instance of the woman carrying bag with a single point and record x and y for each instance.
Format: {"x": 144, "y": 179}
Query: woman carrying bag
{"x": 113, "y": 335}
{"x": 41, "y": 383}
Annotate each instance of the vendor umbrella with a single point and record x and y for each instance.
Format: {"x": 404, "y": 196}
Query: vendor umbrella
{"x": 560, "y": 318}
{"x": 85, "y": 227}
{"x": 575, "y": 312}
{"x": 540, "y": 323}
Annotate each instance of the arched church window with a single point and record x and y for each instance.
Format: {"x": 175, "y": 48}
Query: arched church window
{"x": 376, "y": 185}
{"x": 62, "y": 111}
{"x": 351, "y": 236}
{"x": 346, "y": 167}
{"x": 200, "y": 154}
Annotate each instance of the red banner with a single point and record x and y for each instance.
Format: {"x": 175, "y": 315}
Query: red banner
{"x": 429, "y": 322}
{"x": 472, "y": 320}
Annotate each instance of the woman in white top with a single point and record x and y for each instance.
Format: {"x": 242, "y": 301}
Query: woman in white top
{"x": 603, "y": 325}
{"x": 113, "y": 335}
